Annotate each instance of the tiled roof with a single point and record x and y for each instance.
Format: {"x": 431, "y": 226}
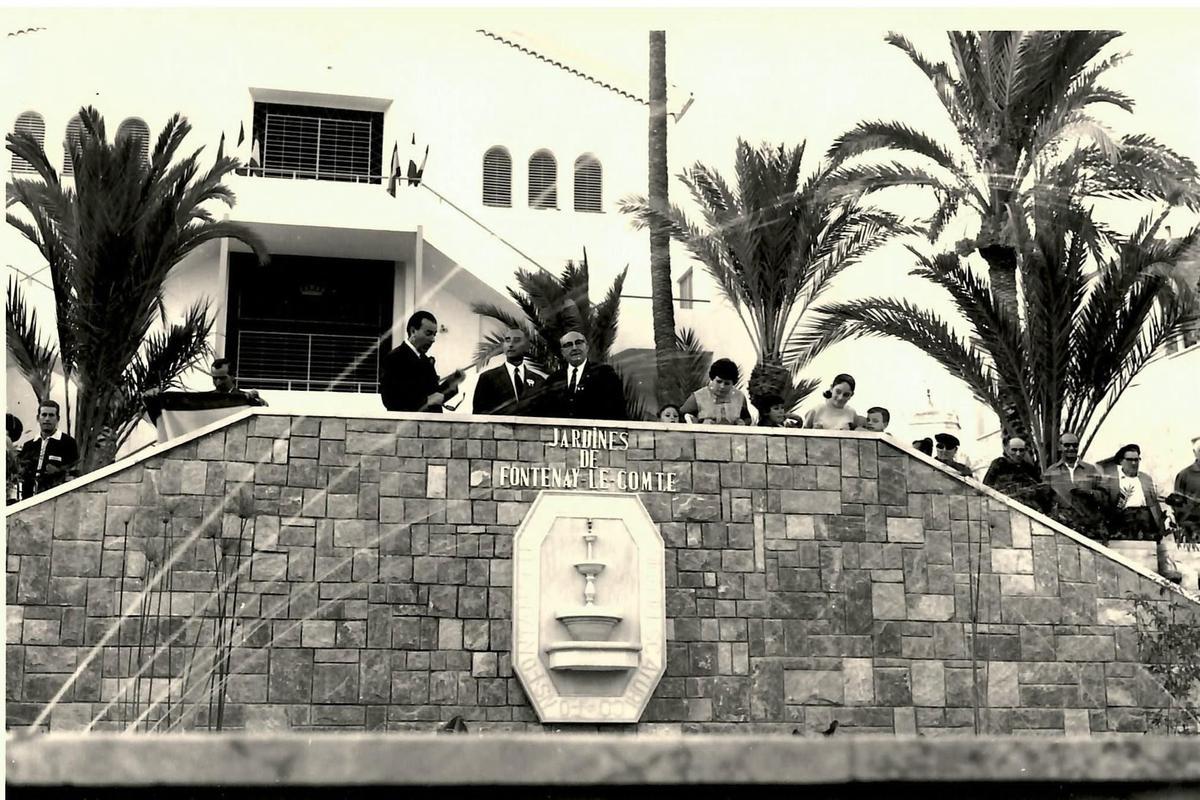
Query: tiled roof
{"x": 565, "y": 67}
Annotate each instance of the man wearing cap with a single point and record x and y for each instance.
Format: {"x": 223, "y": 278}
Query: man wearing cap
{"x": 947, "y": 449}
{"x": 1069, "y": 472}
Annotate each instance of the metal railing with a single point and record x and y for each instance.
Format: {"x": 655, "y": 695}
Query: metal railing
{"x": 313, "y": 362}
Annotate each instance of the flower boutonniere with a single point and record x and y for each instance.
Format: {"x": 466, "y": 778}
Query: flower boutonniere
{"x": 529, "y": 381}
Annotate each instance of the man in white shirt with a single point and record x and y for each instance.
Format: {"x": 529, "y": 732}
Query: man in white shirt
{"x": 50, "y": 458}
{"x": 1139, "y": 516}
{"x": 510, "y": 387}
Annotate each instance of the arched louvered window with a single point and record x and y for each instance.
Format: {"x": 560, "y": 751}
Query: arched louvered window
{"x": 543, "y": 180}
{"x": 32, "y": 123}
{"x": 139, "y": 131}
{"x": 74, "y": 134}
{"x": 497, "y": 178}
{"x": 587, "y": 184}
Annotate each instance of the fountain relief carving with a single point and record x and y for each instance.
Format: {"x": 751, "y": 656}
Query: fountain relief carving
{"x": 588, "y": 607}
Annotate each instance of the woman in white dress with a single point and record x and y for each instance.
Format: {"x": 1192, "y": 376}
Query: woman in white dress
{"x": 834, "y": 414}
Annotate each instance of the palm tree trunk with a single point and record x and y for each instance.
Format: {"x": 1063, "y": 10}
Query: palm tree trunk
{"x": 1002, "y": 273}
{"x": 662, "y": 306}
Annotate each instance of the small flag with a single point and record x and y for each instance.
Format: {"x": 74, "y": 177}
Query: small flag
{"x": 255, "y": 160}
{"x": 241, "y": 133}
{"x": 394, "y": 177}
{"x": 416, "y": 180}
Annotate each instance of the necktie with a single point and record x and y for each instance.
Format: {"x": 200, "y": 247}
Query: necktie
{"x": 517, "y": 382}
{"x": 574, "y": 378}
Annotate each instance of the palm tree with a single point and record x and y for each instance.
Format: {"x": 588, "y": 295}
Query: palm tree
{"x": 773, "y": 246}
{"x": 553, "y": 305}
{"x": 662, "y": 304}
{"x": 1091, "y": 317}
{"x": 1021, "y": 103}
{"x": 110, "y": 242}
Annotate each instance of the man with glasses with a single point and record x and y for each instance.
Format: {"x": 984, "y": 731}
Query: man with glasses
{"x": 582, "y": 389}
{"x": 1069, "y": 473}
{"x": 1016, "y": 476}
{"x": 1138, "y": 514}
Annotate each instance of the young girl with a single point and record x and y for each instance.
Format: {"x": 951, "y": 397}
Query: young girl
{"x": 834, "y": 414}
{"x": 718, "y": 403}
{"x": 775, "y": 415}
{"x": 669, "y": 413}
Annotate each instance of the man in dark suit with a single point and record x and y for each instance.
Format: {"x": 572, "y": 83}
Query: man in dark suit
{"x": 946, "y": 452}
{"x": 409, "y": 381}
{"x": 510, "y": 387}
{"x": 582, "y": 389}
{"x": 49, "y": 459}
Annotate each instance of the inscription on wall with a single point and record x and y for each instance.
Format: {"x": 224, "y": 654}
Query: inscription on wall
{"x": 583, "y": 473}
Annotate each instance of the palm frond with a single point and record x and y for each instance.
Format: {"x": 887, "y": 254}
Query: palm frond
{"x": 33, "y": 356}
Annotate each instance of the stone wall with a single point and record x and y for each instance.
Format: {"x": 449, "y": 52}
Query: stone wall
{"x": 810, "y": 577}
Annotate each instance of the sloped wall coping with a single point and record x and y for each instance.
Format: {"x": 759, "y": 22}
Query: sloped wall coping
{"x": 336, "y": 759}
{"x": 555, "y": 422}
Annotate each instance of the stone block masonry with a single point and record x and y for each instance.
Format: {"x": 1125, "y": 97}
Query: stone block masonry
{"x": 810, "y": 577}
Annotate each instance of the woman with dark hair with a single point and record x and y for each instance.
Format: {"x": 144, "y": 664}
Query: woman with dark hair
{"x": 718, "y": 403}
{"x": 834, "y": 414}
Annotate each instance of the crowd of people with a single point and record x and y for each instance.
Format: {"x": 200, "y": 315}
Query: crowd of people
{"x": 1112, "y": 499}
{"x": 52, "y": 456}
{"x": 1109, "y": 500}
{"x": 587, "y": 389}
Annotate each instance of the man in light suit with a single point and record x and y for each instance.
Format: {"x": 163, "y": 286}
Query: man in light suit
{"x": 509, "y": 388}
{"x": 410, "y": 381}
{"x": 1069, "y": 472}
{"x": 582, "y": 389}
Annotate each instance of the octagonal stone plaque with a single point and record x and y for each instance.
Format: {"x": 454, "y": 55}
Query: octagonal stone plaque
{"x": 589, "y": 620}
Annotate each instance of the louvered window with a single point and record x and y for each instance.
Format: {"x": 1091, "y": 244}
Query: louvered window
{"x": 543, "y": 180}
{"x": 497, "y": 178}
{"x": 329, "y": 144}
{"x": 74, "y": 134}
{"x": 31, "y": 123}
{"x": 139, "y": 131}
{"x": 686, "y": 290}
{"x": 587, "y": 184}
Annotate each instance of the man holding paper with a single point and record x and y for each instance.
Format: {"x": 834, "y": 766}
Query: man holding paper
{"x": 410, "y": 381}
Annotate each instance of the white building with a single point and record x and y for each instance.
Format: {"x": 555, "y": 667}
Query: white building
{"x": 328, "y": 92}
{"x": 527, "y": 160}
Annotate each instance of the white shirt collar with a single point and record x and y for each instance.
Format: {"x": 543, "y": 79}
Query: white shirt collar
{"x": 415, "y": 350}
{"x": 56, "y": 436}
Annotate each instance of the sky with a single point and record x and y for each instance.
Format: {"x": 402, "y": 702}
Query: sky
{"x": 779, "y": 75}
